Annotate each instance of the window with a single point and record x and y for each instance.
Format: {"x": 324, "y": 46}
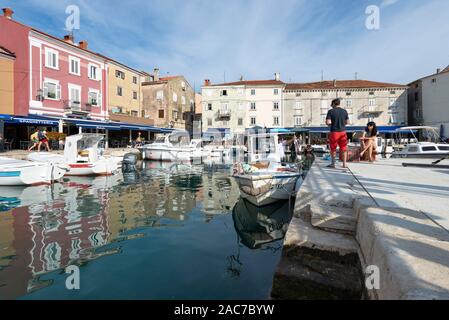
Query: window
{"x": 93, "y": 98}
{"x": 323, "y": 119}
{"x": 298, "y": 94}
{"x": 393, "y": 102}
{"x": 161, "y": 114}
{"x": 276, "y": 92}
{"x": 160, "y": 95}
{"x": 209, "y": 107}
{"x": 135, "y": 95}
{"x": 253, "y": 92}
{"x": 276, "y": 105}
{"x": 324, "y": 106}
{"x": 350, "y": 118}
{"x": 52, "y": 90}
{"x": 120, "y": 91}
{"x": 442, "y": 148}
{"x": 209, "y": 122}
{"x": 253, "y": 121}
{"x": 94, "y": 73}
{"x": 175, "y": 97}
{"x": 142, "y": 114}
{"x": 434, "y": 80}
{"x": 371, "y": 93}
{"x": 183, "y": 100}
{"x": 74, "y": 96}
{"x": 183, "y": 85}
{"x": 392, "y": 92}
{"x": 175, "y": 115}
{"x": 298, "y": 105}
{"x": 134, "y": 113}
{"x": 371, "y": 104}
{"x": 240, "y": 122}
{"x": 429, "y": 149}
{"x": 416, "y": 96}
{"x": 117, "y": 110}
{"x": 224, "y": 92}
{"x": 348, "y": 103}
{"x": 119, "y": 74}
{"x": 135, "y": 80}
{"x": 348, "y": 93}
{"x": 253, "y": 106}
{"x": 418, "y": 113}
{"x": 74, "y": 65}
{"x": 393, "y": 118}
{"x": 298, "y": 121}
{"x": 51, "y": 58}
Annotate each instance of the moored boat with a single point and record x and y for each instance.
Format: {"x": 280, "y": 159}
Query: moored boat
{"x": 24, "y": 173}
{"x": 416, "y": 147}
{"x": 172, "y": 147}
{"x": 83, "y": 155}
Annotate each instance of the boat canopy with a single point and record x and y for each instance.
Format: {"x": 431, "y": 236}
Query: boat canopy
{"x": 79, "y": 143}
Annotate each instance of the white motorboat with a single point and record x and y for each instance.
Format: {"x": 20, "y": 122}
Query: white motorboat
{"x": 264, "y": 180}
{"x": 83, "y": 155}
{"x": 24, "y": 173}
{"x": 175, "y": 146}
{"x": 425, "y": 143}
{"x": 320, "y": 148}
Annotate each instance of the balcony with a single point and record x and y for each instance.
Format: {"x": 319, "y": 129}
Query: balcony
{"x": 77, "y": 107}
{"x": 224, "y": 115}
{"x": 370, "y": 112}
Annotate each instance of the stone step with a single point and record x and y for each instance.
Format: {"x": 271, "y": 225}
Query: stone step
{"x": 334, "y": 216}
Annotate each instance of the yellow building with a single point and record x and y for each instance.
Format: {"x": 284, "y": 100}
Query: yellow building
{"x": 125, "y": 94}
{"x": 7, "y": 59}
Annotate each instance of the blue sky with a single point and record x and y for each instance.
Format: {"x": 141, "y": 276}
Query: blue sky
{"x": 219, "y": 39}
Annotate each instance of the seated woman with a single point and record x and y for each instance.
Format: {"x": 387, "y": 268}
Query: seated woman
{"x": 369, "y": 141}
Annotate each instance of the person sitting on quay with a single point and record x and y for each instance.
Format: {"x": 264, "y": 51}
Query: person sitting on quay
{"x": 368, "y": 141}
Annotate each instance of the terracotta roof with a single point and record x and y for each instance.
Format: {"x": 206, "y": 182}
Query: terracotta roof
{"x": 7, "y": 52}
{"x": 250, "y": 83}
{"x": 446, "y": 69}
{"x": 341, "y": 84}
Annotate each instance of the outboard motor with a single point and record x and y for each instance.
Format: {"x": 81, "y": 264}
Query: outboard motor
{"x": 129, "y": 164}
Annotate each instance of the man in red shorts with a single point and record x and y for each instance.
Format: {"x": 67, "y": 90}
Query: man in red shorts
{"x": 338, "y": 118}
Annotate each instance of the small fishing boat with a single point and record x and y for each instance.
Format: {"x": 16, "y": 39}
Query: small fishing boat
{"x": 172, "y": 147}
{"x": 265, "y": 180}
{"x": 425, "y": 143}
{"x": 24, "y": 173}
{"x": 83, "y": 155}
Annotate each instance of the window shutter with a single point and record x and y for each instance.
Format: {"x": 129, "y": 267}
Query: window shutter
{"x": 45, "y": 90}
{"x": 58, "y": 92}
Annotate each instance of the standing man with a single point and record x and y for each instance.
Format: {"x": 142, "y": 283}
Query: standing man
{"x": 337, "y": 119}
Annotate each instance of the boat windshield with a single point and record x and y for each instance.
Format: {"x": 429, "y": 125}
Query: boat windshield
{"x": 417, "y": 134}
{"x": 159, "y": 140}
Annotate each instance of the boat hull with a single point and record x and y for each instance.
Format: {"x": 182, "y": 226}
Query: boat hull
{"x": 103, "y": 167}
{"x": 34, "y": 174}
{"x": 170, "y": 155}
{"x": 263, "y": 190}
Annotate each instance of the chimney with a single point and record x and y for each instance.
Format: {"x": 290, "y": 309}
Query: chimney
{"x": 241, "y": 78}
{"x": 335, "y": 83}
{"x": 206, "y": 82}
{"x": 277, "y": 76}
{"x": 7, "y": 13}
{"x": 83, "y": 45}
{"x": 156, "y": 74}
{"x": 69, "y": 38}
{"x": 438, "y": 70}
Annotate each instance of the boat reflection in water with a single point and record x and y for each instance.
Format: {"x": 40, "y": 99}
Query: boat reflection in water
{"x": 257, "y": 226}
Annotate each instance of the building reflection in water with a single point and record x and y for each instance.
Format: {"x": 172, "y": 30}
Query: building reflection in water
{"x": 83, "y": 219}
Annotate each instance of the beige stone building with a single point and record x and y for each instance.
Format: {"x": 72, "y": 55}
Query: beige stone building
{"x": 307, "y": 104}
{"x": 125, "y": 100}
{"x": 168, "y": 100}
{"x": 239, "y": 105}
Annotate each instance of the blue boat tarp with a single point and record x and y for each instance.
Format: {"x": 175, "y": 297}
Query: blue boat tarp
{"x": 381, "y": 129}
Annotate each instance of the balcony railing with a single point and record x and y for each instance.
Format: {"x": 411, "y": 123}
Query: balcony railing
{"x": 224, "y": 114}
{"x": 370, "y": 112}
{"x": 77, "y": 106}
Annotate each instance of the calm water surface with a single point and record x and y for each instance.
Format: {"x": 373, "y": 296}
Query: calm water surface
{"x": 169, "y": 232}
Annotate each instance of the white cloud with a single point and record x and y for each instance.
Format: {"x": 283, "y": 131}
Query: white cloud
{"x": 387, "y": 3}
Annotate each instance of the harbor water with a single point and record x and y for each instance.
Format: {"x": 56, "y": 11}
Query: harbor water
{"x": 168, "y": 231}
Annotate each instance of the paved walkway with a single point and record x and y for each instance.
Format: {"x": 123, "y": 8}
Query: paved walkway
{"x": 393, "y": 217}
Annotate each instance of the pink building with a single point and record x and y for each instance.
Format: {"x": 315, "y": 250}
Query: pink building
{"x": 54, "y": 77}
